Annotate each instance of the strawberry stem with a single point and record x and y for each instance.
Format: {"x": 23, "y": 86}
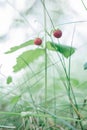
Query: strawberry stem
{"x": 45, "y": 39}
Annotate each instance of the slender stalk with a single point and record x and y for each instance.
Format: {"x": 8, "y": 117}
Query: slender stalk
{"x": 69, "y": 79}
{"x": 54, "y": 89}
{"x": 69, "y": 68}
{"x": 48, "y": 14}
{"x": 45, "y": 39}
{"x": 84, "y": 4}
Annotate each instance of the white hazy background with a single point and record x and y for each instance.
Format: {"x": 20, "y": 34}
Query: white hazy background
{"x": 21, "y": 20}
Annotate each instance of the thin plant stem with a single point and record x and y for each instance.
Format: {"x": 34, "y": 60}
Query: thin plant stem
{"x": 45, "y": 39}
{"x": 69, "y": 68}
{"x": 72, "y": 22}
{"x": 84, "y": 4}
{"x": 54, "y": 89}
{"x": 69, "y": 75}
{"x": 48, "y": 14}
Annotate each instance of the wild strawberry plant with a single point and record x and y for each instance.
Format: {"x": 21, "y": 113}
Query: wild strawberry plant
{"x": 44, "y": 98}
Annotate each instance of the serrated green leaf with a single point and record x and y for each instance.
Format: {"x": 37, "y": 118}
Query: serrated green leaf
{"x": 65, "y": 50}
{"x": 9, "y": 80}
{"x": 85, "y": 66}
{"x": 15, "y": 48}
{"x": 26, "y": 58}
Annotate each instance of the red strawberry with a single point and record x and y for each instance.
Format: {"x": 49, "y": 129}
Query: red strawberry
{"x": 57, "y": 33}
{"x": 38, "y": 41}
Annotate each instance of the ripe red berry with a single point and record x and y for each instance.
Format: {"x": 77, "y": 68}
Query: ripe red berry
{"x": 57, "y": 33}
{"x": 38, "y": 41}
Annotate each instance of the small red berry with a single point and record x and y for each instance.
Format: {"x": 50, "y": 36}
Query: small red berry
{"x": 38, "y": 41}
{"x": 57, "y": 33}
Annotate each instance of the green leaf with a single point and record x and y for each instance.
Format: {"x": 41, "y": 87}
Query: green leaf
{"x": 9, "y": 80}
{"x": 15, "y": 99}
{"x": 85, "y": 66}
{"x": 26, "y": 58}
{"x": 65, "y": 50}
{"x": 15, "y": 48}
